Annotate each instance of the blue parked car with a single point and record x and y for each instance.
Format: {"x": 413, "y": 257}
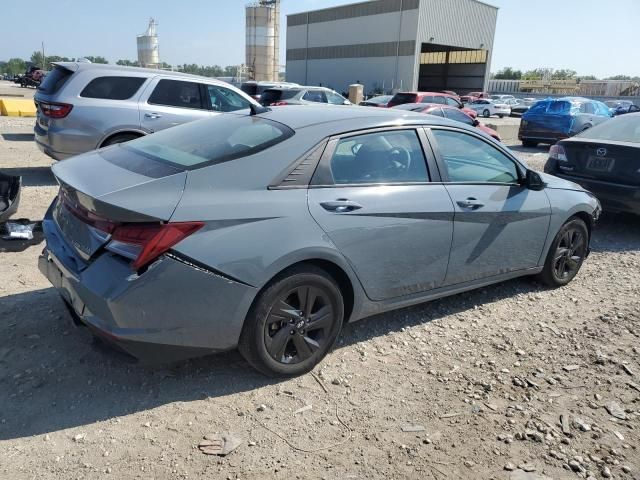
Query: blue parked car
{"x": 553, "y": 119}
{"x": 620, "y": 107}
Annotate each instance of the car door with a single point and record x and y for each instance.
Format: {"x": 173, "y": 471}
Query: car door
{"x": 172, "y": 102}
{"x": 373, "y": 195}
{"x": 499, "y": 225}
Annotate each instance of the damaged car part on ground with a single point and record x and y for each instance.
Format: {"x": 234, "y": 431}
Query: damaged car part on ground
{"x": 268, "y": 231}
{"x": 10, "y": 187}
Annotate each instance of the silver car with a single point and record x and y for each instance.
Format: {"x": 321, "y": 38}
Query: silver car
{"x": 84, "y": 106}
{"x": 269, "y": 231}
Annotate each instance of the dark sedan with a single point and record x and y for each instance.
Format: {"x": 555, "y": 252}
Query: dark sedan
{"x": 605, "y": 160}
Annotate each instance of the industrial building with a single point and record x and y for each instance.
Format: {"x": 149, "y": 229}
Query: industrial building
{"x": 391, "y": 45}
{"x": 148, "y": 47}
{"x": 263, "y": 40}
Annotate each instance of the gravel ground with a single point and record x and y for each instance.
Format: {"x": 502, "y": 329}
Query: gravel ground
{"x": 471, "y": 386}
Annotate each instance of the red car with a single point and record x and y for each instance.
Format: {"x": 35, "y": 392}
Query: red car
{"x": 439, "y": 98}
{"x": 452, "y": 113}
{"x": 473, "y": 96}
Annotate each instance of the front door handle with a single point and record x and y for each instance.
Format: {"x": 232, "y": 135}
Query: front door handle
{"x": 472, "y": 203}
{"x": 341, "y": 205}
{"x": 152, "y": 115}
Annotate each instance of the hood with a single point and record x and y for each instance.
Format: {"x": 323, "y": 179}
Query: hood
{"x": 559, "y": 183}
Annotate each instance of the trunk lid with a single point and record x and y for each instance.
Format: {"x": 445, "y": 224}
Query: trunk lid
{"x": 612, "y": 161}
{"x": 111, "y": 186}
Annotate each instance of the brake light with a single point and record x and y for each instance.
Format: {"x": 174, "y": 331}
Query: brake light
{"x": 55, "y": 110}
{"x": 86, "y": 216}
{"x": 146, "y": 242}
{"x": 556, "y": 152}
{"x": 279, "y": 103}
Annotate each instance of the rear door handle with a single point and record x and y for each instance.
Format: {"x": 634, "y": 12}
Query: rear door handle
{"x": 341, "y": 205}
{"x": 152, "y": 115}
{"x": 472, "y": 203}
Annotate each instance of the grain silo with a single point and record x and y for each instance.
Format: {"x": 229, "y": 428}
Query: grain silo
{"x": 148, "y": 50}
{"x": 263, "y": 40}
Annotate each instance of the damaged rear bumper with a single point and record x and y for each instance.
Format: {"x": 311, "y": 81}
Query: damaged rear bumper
{"x": 171, "y": 312}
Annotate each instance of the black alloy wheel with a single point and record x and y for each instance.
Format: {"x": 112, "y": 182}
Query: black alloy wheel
{"x": 566, "y": 254}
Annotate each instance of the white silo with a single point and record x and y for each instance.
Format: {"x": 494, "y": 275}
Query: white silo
{"x": 263, "y": 40}
{"x": 148, "y": 50}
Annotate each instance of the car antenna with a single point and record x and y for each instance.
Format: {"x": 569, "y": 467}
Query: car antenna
{"x": 256, "y": 109}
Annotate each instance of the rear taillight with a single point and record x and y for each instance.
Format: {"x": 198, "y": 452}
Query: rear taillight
{"x": 55, "y": 110}
{"x": 556, "y": 152}
{"x": 145, "y": 242}
{"x": 279, "y": 103}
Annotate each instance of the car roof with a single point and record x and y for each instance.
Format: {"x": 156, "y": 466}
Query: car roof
{"x": 105, "y": 67}
{"x": 336, "y": 119}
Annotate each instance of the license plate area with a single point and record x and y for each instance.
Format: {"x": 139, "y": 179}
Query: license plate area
{"x": 600, "y": 164}
{"x": 76, "y": 233}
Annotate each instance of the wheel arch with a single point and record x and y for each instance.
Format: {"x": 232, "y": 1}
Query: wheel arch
{"x": 128, "y": 131}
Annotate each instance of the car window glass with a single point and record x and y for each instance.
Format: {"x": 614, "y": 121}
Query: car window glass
{"x": 381, "y": 157}
{"x": 469, "y": 159}
{"x": 428, "y": 99}
{"x": 458, "y": 116}
{"x": 112, "y": 88}
{"x": 176, "y": 93}
{"x": 315, "y": 96}
{"x": 225, "y": 100}
{"x": 452, "y": 102}
{"x": 335, "y": 99}
{"x": 587, "y": 107}
{"x": 437, "y": 112}
{"x": 634, "y": 108}
{"x": 439, "y": 100}
{"x": 624, "y": 128}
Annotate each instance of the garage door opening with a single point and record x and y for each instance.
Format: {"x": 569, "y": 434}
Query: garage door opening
{"x": 452, "y": 68}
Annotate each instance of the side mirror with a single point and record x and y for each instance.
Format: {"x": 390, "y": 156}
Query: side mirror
{"x": 533, "y": 181}
{"x": 476, "y": 122}
{"x": 346, "y": 102}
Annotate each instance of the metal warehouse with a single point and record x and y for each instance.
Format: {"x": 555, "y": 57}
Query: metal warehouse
{"x": 390, "y": 45}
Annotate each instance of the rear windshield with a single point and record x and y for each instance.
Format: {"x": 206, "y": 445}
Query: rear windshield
{"x": 625, "y": 128}
{"x": 272, "y": 96}
{"x": 55, "y": 79}
{"x": 400, "y": 98}
{"x": 211, "y": 141}
{"x": 554, "y": 107}
{"x": 112, "y": 88}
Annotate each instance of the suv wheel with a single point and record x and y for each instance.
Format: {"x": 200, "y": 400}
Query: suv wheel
{"x": 293, "y": 323}
{"x": 486, "y": 113}
{"x": 120, "y": 138}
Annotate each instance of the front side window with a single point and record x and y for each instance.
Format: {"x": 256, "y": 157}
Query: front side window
{"x": 452, "y": 102}
{"x": 437, "y": 112}
{"x": 428, "y": 99}
{"x": 207, "y": 142}
{"x": 225, "y": 100}
{"x": 317, "y": 96}
{"x": 381, "y": 157}
{"x": 458, "y": 116}
{"x": 469, "y": 159}
{"x": 335, "y": 99}
{"x": 176, "y": 93}
{"x": 112, "y": 88}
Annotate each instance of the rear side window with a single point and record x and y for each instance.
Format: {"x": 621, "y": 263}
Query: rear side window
{"x": 208, "y": 142}
{"x": 317, "y": 96}
{"x": 400, "y": 98}
{"x": 112, "y": 88}
{"x": 55, "y": 79}
{"x": 452, "y": 102}
{"x": 272, "y": 96}
{"x": 225, "y": 100}
{"x": 176, "y": 93}
{"x": 458, "y": 116}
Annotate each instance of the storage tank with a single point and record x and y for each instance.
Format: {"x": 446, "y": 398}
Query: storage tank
{"x": 263, "y": 40}
{"x": 148, "y": 50}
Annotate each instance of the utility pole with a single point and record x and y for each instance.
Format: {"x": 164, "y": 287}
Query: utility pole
{"x": 44, "y": 59}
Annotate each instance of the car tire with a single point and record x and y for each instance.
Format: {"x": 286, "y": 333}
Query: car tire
{"x": 566, "y": 254}
{"x": 280, "y": 337}
{"x": 120, "y": 138}
{"x": 529, "y": 144}
{"x": 486, "y": 113}
{"x": 500, "y": 116}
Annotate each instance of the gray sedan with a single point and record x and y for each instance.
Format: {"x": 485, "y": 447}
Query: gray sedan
{"x": 268, "y": 231}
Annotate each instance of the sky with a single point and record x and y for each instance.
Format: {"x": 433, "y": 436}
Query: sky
{"x": 592, "y": 37}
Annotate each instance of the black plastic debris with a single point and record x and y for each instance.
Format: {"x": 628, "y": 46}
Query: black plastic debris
{"x": 19, "y": 234}
{"x": 9, "y": 195}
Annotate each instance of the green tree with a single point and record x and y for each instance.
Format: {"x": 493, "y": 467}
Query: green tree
{"x": 619, "y": 77}
{"x": 128, "y": 63}
{"x": 588, "y": 77}
{"x": 97, "y": 59}
{"x": 508, "y": 73}
{"x": 37, "y": 60}
{"x": 563, "y": 74}
{"x": 15, "y": 66}
{"x": 56, "y": 58}
{"x": 535, "y": 74}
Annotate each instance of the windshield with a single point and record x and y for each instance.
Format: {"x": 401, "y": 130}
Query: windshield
{"x": 271, "y": 96}
{"x": 625, "y": 128}
{"x": 211, "y": 141}
{"x": 555, "y": 107}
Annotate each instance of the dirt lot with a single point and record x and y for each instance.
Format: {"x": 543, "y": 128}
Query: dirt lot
{"x": 472, "y": 386}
